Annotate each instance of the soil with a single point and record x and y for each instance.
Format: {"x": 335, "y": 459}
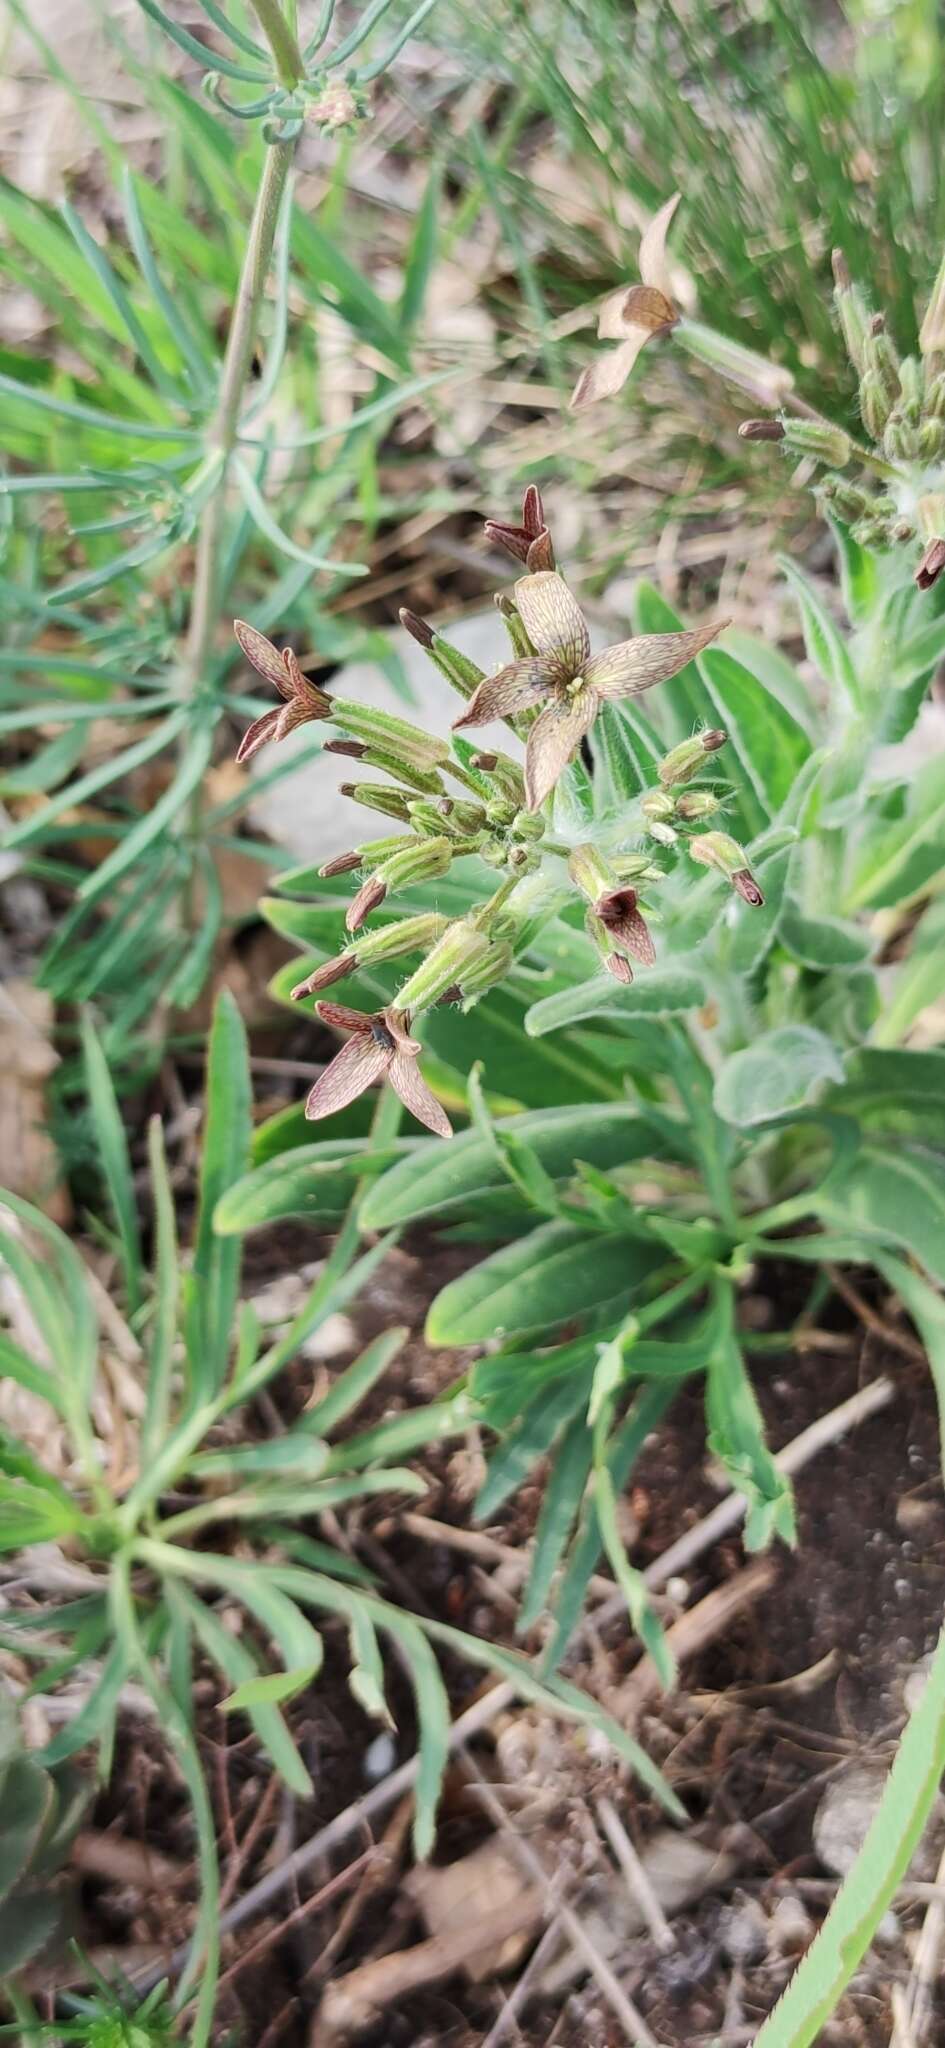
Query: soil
{"x": 799, "y": 1688}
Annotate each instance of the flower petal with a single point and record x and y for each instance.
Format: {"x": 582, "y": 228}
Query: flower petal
{"x": 619, "y": 914}
{"x": 342, "y": 1019}
{"x": 639, "y": 306}
{"x": 358, "y": 1064}
{"x": 516, "y": 687}
{"x": 260, "y": 733}
{"x": 553, "y": 619}
{"x": 633, "y": 666}
{"x": 608, "y": 373}
{"x": 554, "y": 738}
{"x": 407, "y": 1081}
{"x": 654, "y": 265}
{"x": 264, "y": 657}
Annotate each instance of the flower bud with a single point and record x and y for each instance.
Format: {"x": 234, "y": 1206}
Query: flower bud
{"x": 820, "y": 440}
{"x": 684, "y": 761}
{"x": 457, "y": 952}
{"x": 371, "y": 893}
{"x": 717, "y": 850}
{"x": 462, "y": 674}
{"x": 371, "y": 852}
{"x": 417, "y": 628}
{"x": 932, "y": 330}
{"x": 931, "y": 565}
{"x": 392, "y": 735}
{"x": 342, "y": 864}
{"x": 323, "y": 976}
{"x": 485, "y": 973}
{"x": 375, "y": 796}
{"x": 658, "y": 805}
{"x": 880, "y": 355}
{"x": 761, "y": 430}
{"x": 912, "y": 382}
{"x": 902, "y": 529}
{"x": 900, "y": 441}
{"x": 875, "y": 404}
{"x": 852, "y": 311}
{"x": 426, "y": 779}
{"x": 409, "y": 935}
{"x": 528, "y": 825}
{"x": 507, "y": 776}
{"x": 846, "y": 499}
{"x": 663, "y": 834}
{"x": 871, "y": 533}
{"x": 636, "y": 867}
{"x": 593, "y": 874}
{"x": 697, "y": 803}
{"x": 768, "y": 383}
{"x": 931, "y": 436}
{"x": 417, "y": 860}
{"x": 521, "y": 644}
{"x": 935, "y": 399}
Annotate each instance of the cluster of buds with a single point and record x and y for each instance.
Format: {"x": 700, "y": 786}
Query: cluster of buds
{"x": 451, "y": 801}
{"x": 902, "y": 407}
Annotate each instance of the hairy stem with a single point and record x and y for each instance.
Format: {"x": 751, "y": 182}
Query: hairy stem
{"x": 278, "y": 26}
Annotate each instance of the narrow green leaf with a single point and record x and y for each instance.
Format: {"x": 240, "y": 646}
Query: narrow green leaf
{"x": 216, "y": 1262}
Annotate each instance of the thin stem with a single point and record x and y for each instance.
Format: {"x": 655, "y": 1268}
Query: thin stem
{"x": 279, "y": 30}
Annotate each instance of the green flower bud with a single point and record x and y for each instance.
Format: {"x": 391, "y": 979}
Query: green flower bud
{"x": 375, "y": 796}
{"x": 425, "y": 779}
{"x": 394, "y": 736}
{"x": 521, "y": 644}
{"x": 528, "y": 825}
{"x": 718, "y": 850}
{"x": 372, "y": 851}
{"x": 477, "y": 979}
{"x": 506, "y": 775}
{"x": 817, "y": 438}
{"x": 697, "y": 803}
{"x": 462, "y": 674}
{"x": 852, "y": 310}
{"x": 902, "y": 530}
{"x": 912, "y": 382}
{"x": 846, "y": 499}
{"x": 636, "y": 867}
{"x": 875, "y": 404}
{"x": 684, "y": 761}
{"x": 663, "y": 834}
{"x": 935, "y": 399}
{"x": 658, "y": 805}
{"x": 900, "y": 441}
{"x": 419, "y": 860}
{"x": 460, "y": 949}
{"x": 880, "y": 356}
{"x": 931, "y": 440}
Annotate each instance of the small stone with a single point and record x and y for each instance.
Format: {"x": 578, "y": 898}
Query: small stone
{"x": 334, "y": 1336}
{"x": 743, "y": 1931}
{"x": 379, "y": 1758}
{"x": 790, "y": 1927}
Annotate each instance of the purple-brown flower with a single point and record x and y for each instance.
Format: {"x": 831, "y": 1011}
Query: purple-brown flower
{"x": 568, "y": 680}
{"x": 632, "y": 316}
{"x": 531, "y": 542}
{"x": 304, "y": 701}
{"x": 622, "y": 918}
{"x": 380, "y": 1048}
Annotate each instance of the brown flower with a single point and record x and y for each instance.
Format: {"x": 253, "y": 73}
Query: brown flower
{"x": 304, "y": 701}
{"x": 931, "y": 565}
{"x": 380, "y": 1048}
{"x": 570, "y": 681}
{"x": 620, "y": 915}
{"x": 632, "y": 316}
{"x": 531, "y": 542}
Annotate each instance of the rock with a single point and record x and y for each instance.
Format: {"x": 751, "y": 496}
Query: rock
{"x": 843, "y": 1818}
{"x": 790, "y": 1927}
{"x": 743, "y": 1931}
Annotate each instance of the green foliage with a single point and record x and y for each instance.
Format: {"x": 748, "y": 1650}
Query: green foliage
{"x": 160, "y": 1589}
{"x": 42, "y": 1807}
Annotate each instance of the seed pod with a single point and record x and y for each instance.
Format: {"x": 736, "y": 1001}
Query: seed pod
{"x": 684, "y": 761}
{"x": 852, "y": 310}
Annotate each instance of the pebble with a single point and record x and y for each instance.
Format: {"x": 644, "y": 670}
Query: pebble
{"x": 790, "y": 1927}
{"x": 379, "y": 1758}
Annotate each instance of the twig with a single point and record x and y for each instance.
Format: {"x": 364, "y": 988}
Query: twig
{"x": 925, "y": 1966}
{"x": 475, "y": 1543}
{"x": 696, "y": 1628}
{"x": 899, "y": 1340}
{"x": 273, "y": 1934}
{"x": 382, "y": 1862}
{"x": 639, "y": 1884}
{"x": 352, "y": 2001}
{"x": 244, "y": 1849}
{"x": 513, "y": 2004}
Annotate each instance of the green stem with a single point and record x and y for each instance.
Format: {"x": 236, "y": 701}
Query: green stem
{"x": 279, "y": 30}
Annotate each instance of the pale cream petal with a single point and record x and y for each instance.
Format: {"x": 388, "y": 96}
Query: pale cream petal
{"x": 407, "y": 1081}
{"x": 553, "y": 620}
{"x": 265, "y": 658}
{"x": 359, "y": 1063}
{"x": 641, "y": 305}
{"x": 515, "y": 688}
{"x": 260, "y": 733}
{"x": 553, "y": 741}
{"x": 608, "y": 373}
{"x": 654, "y": 265}
{"x": 633, "y": 666}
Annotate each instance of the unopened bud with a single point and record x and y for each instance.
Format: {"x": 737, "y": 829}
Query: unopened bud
{"x": 418, "y": 860}
{"x": 932, "y": 330}
{"x": 900, "y": 441}
{"x": 658, "y": 805}
{"x": 761, "y": 430}
{"x": 484, "y": 974}
{"x": 323, "y": 976}
{"x": 684, "y": 761}
{"x": 371, "y": 893}
{"x": 372, "y": 852}
{"x": 880, "y": 356}
{"x": 875, "y": 404}
{"x": 768, "y": 383}
{"x": 593, "y": 874}
{"x": 852, "y": 311}
{"x": 342, "y": 864}
{"x": 521, "y": 644}
{"x": 426, "y": 779}
{"x": 871, "y": 533}
{"x": 820, "y": 440}
{"x": 462, "y": 674}
{"x": 375, "y": 796}
{"x": 485, "y": 762}
{"x": 663, "y": 834}
{"x": 454, "y": 957}
{"x": 636, "y": 867}
{"x": 846, "y": 499}
{"x": 522, "y": 860}
{"x": 931, "y": 440}
{"x": 528, "y": 825}
{"x": 912, "y": 381}
{"x": 352, "y": 750}
{"x": 901, "y": 530}
{"x": 935, "y": 399}
{"x": 931, "y": 565}
{"x": 506, "y": 775}
{"x": 417, "y": 628}
{"x": 407, "y": 743}
{"x": 697, "y": 803}
{"x": 717, "y": 850}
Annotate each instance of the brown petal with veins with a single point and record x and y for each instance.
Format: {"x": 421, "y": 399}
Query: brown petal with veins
{"x": 608, "y": 373}
{"x": 259, "y": 733}
{"x": 515, "y": 688}
{"x": 371, "y": 893}
{"x": 359, "y": 1063}
{"x": 323, "y": 976}
{"x": 619, "y": 914}
{"x": 632, "y": 666}
{"x": 553, "y": 620}
{"x": 407, "y": 1081}
{"x": 553, "y": 741}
